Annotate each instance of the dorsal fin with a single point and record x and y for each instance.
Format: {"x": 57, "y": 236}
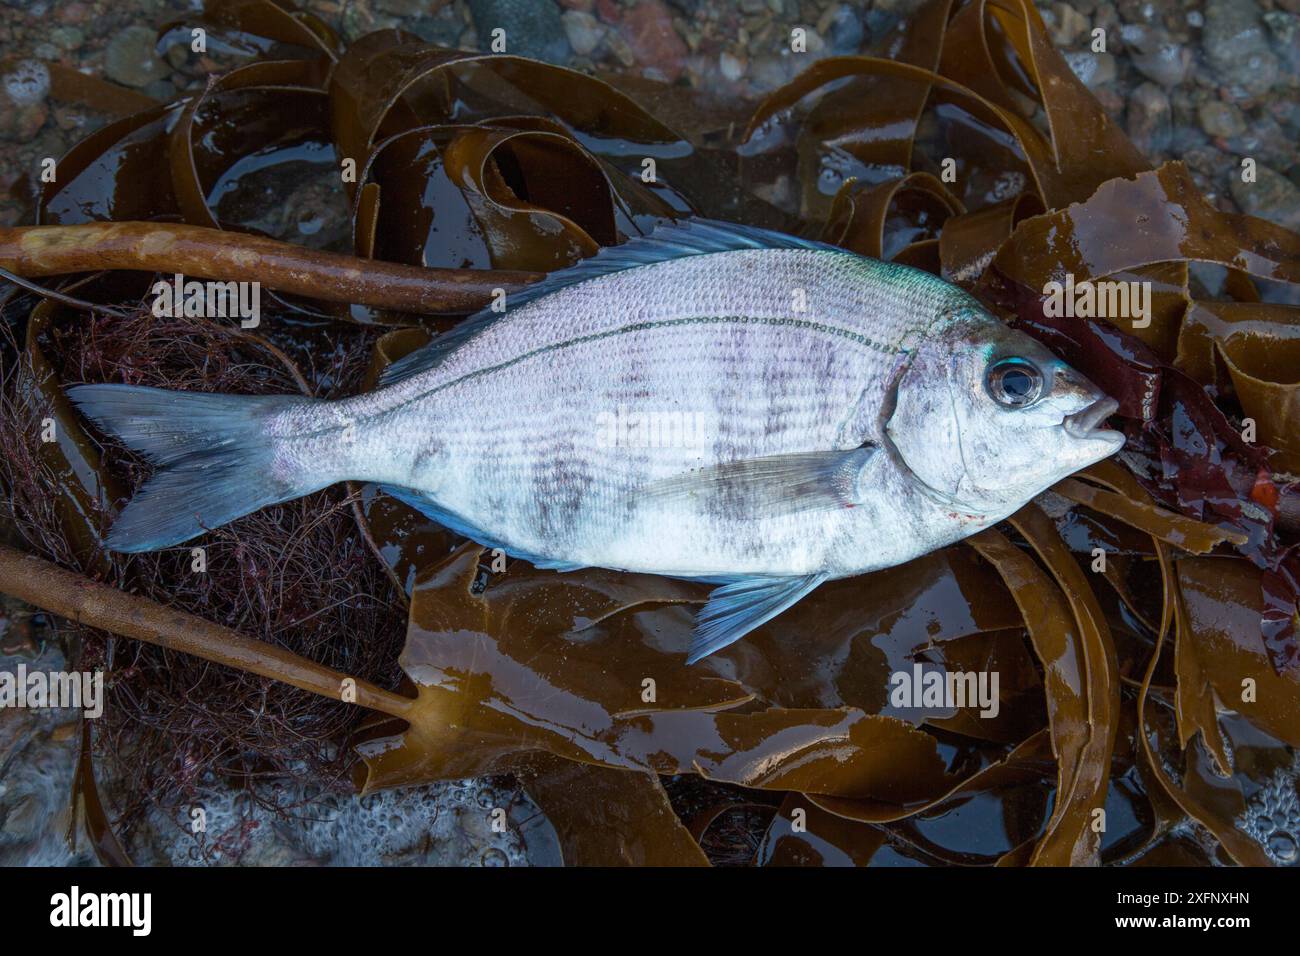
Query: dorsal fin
{"x": 672, "y": 240}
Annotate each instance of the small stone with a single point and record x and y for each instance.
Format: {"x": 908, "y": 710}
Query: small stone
{"x": 1285, "y": 27}
{"x": 130, "y": 58}
{"x": 769, "y": 72}
{"x": 648, "y": 30}
{"x": 1237, "y": 47}
{"x": 404, "y": 8}
{"x": 27, "y": 82}
{"x": 1220, "y": 119}
{"x": 732, "y": 67}
{"x": 1271, "y": 196}
{"x": 68, "y": 38}
{"x": 1156, "y": 55}
{"x": 161, "y": 90}
{"x": 441, "y": 30}
{"x": 1282, "y": 25}
{"x": 74, "y": 13}
{"x": 28, "y": 122}
{"x": 1070, "y": 24}
{"x": 1106, "y": 17}
{"x": 533, "y": 28}
{"x": 1092, "y": 69}
{"x": 1149, "y": 122}
{"x": 621, "y": 51}
{"x": 1138, "y": 11}
{"x": 814, "y": 41}
{"x": 1268, "y": 142}
{"x": 583, "y": 30}
{"x": 846, "y": 30}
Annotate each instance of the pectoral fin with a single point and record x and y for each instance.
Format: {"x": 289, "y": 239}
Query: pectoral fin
{"x": 736, "y": 609}
{"x": 766, "y": 487}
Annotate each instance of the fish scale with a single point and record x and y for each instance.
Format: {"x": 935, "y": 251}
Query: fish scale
{"x": 773, "y": 380}
{"x": 845, "y": 415}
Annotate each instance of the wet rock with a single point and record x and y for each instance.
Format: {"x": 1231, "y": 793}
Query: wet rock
{"x": 130, "y": 58}
{"x": 1149, "y": 123}
{"x": 1282, "y": 25}
{"x": 26, "y": 83}
{"x": 533, "y": 27}
{"x": 1285, "y": 28}
{"x": 1107, "y": 19}
{"x": 769, "y": 72}
{"x": 1067, "y": 24}
{"x": 1156, "y": 55}
{"x": 732, "y": 67}
{"x": 880, "y": 22}
{"x": 1222, "y": 119}
{"x": 1271, "y": 196}
{"x": 404, "y": 8}
{"x": 844, "y": 26}
{"x": 67, "y": 38}
{"x": 648, "y": 30}
{"x": 29, "y": 121}
{"x": 1092, "y": 69}
{"x": 161, "y": 90}
{"x": 74, "y": 13}
{"x": 1268, "y": 142}
{"x": 583, "y": 30}
{"x": 1139, "y": 11}
{"x": 1237, "y": 47}
{"x": 442, "y": 30}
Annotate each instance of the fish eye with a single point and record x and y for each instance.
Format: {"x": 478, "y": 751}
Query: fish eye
{"x": 1014, "y": 382}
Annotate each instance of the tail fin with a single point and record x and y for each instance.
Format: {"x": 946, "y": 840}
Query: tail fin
{"x": 214, "y": 456}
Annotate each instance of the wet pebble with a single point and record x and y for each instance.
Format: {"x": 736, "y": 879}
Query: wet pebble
{"x": 130, "y": 58}
{"x": 845, "y": 28}
{"x": 1237, "y": 47}
{"x": 1066, "y": 24}
{"x": 583, "y": 30}
{"x": 1285, "y": 29}
{"x": 1092, "y": 69}
{"x": 648, "y": 30}
{"x": 1156, "y": 55}
{"x": 26, "y": 83}
{"x": 732, "y": 67}
{"x": 1220, "y": 119}
{"x": 403, "y": 8}
{"x": 532, "y": 28}
{"x": 1271, "y": 196}
{"x": 1149, "y": 119}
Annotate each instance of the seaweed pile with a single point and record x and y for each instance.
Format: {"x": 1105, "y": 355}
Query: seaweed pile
{"x": 1141, "y": 616}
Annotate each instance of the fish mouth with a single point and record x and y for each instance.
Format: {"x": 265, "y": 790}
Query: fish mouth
{"x": 1086, "y": 423}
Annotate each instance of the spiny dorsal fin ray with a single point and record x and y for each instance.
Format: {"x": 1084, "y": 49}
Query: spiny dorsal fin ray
{"x": 673, "y": 240}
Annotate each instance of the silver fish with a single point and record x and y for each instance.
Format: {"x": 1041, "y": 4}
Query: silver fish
{"x": 713, "y": 402}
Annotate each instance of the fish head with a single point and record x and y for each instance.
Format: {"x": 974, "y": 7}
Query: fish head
{"x": 985, "y": 417}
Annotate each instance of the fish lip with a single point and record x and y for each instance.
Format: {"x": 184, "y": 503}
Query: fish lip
{"x": 1085, "y": 424}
